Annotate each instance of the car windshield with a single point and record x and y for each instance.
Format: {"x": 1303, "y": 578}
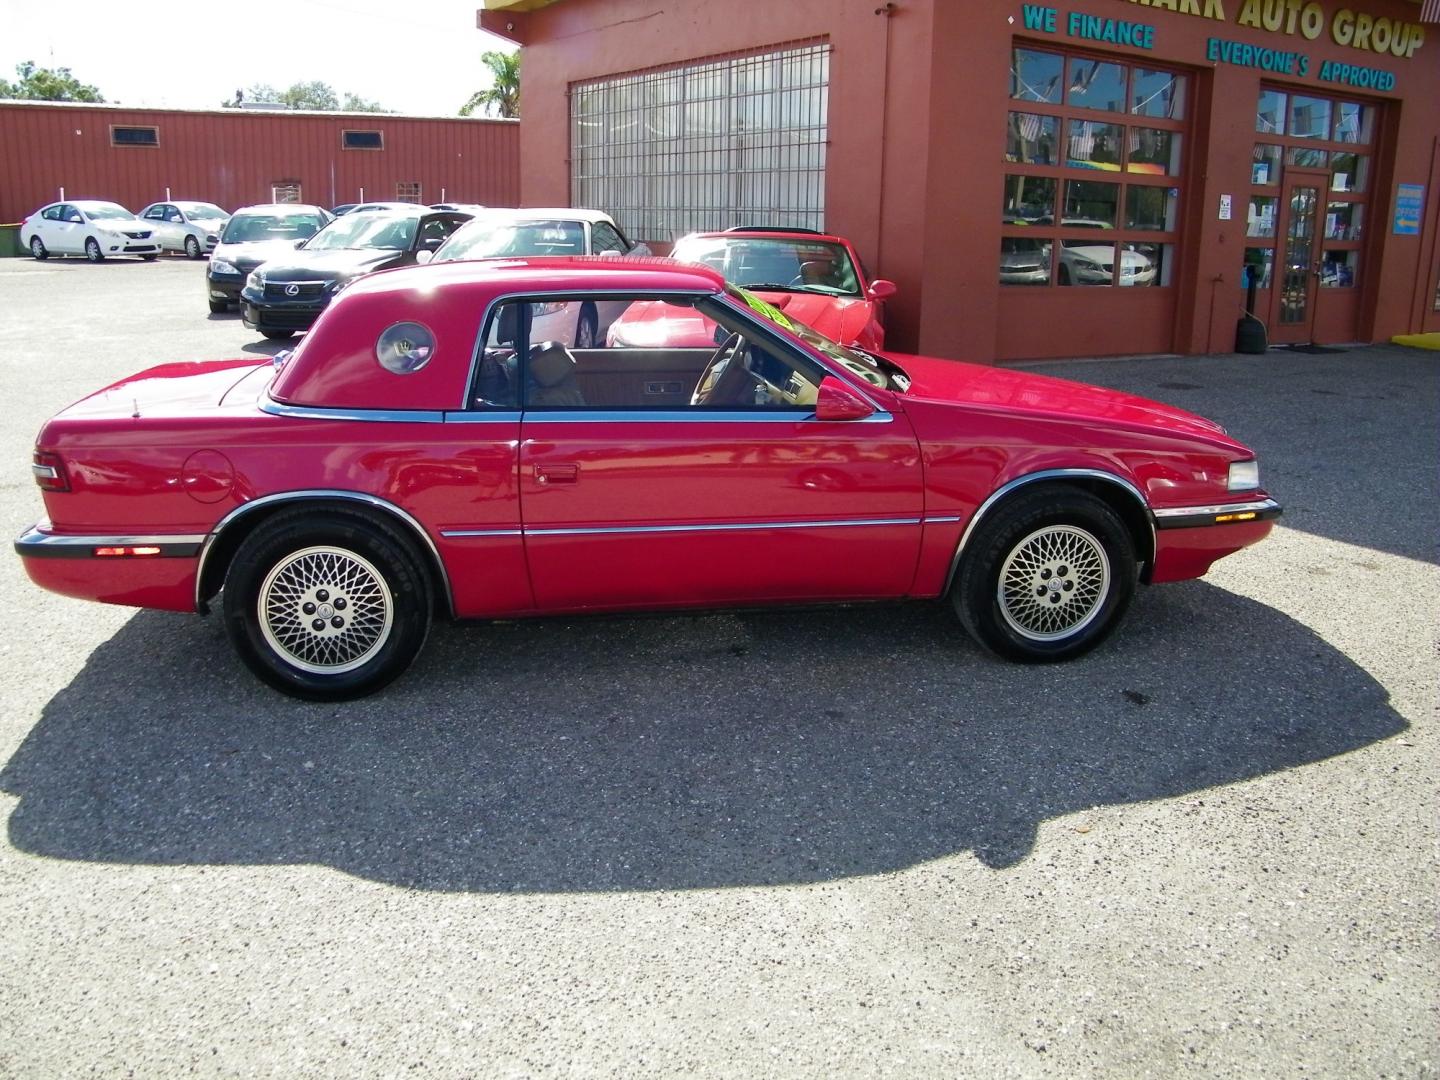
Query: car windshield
{"x": 799, "y": 263}
{"x": 201, "y": 210}
{"x": 876, "y": 370}
{"x": 363, "y": 230}
{"x": 106, "y": 212}
{"x": 258, "y": 228}
{"x": 492, "y": 239}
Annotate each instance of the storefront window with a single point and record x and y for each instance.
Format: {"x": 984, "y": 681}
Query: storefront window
{"x": 1151, "y": 209}
{"x": 1260, "y": 221}
{"x": 1259, "y": 263}
{"x": 1028, "y": 199}
{"x": 1154, "y": 151}
{"x": 1308, "y": 131}
{"x": 1342, "y": 220}
{"x": 1036, "y": 76}
{"x": 1094, "y": 84}
{"x": 1157, "y": 93}
{"x": 1084, "y": 120}
{"x": 1093, "y": 145}
{"x": 1309, "y": 117}
{"x": 1270, "y": 115}
{"x": 1090, "y": 204}
{"x": 1032, "y": 138}
{"x": 1339, "y": 269}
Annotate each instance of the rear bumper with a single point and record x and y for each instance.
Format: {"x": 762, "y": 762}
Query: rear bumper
{"x": 69, "y": 565}
{"x": 1189, "y": 539}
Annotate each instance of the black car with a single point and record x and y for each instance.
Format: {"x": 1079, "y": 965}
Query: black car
{"x": 253, "y": 235}
{"x": 288, "y": 293}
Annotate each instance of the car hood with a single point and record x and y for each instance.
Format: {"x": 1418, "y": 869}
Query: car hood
{"x": 323, "y": 265}
{"x": 248, "y": 256}
{"x": 655, "y": 324}
{"x": 120, "y": 224}
{"x": 952, "y": 381}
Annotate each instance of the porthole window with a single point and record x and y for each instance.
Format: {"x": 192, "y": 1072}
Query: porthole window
{"x": 405, "y": 348}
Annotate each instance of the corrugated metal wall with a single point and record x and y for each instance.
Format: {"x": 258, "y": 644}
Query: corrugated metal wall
{"x": 233, "y": 157}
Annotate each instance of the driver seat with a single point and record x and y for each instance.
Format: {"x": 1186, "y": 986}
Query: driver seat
{"x": 551, "y": 381}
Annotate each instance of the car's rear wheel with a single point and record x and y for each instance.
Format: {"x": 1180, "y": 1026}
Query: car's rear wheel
{"x": 219, "y": 307}
{"x": 92, "y": 250}
{"x": 278, "y": 335}
{"x": 192, "y": 247}
{"x": 328, "y": 605}
{"x": 1047, "y": 576}
{"x": 37, "y": 249}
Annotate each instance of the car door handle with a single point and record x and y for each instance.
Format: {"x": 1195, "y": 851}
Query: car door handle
{"x": 557, "y": 474}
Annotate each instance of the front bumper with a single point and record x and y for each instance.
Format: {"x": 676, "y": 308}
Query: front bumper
{"x": 224, "y": 287}
{"x": 1189, "y": 539}
{"x": 267, "y": 315}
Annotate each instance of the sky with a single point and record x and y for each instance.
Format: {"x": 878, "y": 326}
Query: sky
{"x": 419, "y": 58}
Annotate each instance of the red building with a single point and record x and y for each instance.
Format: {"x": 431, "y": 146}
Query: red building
{"x": 238, "y": 157}
{"x": 1061, "y": 179}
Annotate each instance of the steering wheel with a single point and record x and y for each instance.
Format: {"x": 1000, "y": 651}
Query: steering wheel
{"x": 723, "y": 376}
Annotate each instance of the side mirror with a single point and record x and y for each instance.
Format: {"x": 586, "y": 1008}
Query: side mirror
{"x": 836, "y": 401}
{"x": 880, "y": 289}
{"x": 424, "y": 256}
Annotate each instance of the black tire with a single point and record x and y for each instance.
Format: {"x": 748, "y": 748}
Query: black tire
{"x": 356, "y": 579}
{"x": 586, "y": 328}
{"x": 1046, "y": 576}
{"x": 37, "y": 249}
{"x": 278, "y": 335}
{"x": 1064, "y": 274}
{"x": 149, "y": 258}
{"x": 92, "y": 250}
{"x": 192, "y": 248}
{"x": 219, "y": 307}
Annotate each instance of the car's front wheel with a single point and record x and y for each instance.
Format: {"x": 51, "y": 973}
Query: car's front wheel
{"x": 326, "y": 606}
{"x": 192, "y": 247}
{"x": 219, "y": 307}
{"x": 37, "y": 248}
{"x": 278, "y": 335}
{"x": 92, "y": 250}
{"x": 1047, "y": 576}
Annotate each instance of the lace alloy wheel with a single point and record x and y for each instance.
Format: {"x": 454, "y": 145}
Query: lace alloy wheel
{"x": 325, "y": 609}
{"x": 1053, "y": 583}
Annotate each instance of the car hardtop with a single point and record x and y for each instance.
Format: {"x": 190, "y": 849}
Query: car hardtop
{"x": 560, "y": 213}
{"x": 336, "y": 366}
{"x": 761, "y": 232}
{"x": 281, "y": 208}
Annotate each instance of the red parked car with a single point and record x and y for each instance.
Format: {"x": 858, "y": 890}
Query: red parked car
{"x": 814, "y": 279}
{"x": 419, "y": 455}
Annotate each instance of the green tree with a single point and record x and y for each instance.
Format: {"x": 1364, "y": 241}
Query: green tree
{"x": 316, "y": 96}
{"x": 47, "y": 84}
{"x": 503, "y": 97}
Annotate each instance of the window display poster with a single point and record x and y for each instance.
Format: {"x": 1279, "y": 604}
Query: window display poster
{"x": 1409, "y": 204}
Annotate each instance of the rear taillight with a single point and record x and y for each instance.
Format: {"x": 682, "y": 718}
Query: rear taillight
{"x": 49, "y": 472}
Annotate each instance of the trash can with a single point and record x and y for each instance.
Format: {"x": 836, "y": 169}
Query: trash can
{"x": 10, "y": 246}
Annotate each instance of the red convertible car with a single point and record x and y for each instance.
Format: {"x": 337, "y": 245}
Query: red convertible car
{"x": 814, "y": 279}
{"x": 420, "y": 455}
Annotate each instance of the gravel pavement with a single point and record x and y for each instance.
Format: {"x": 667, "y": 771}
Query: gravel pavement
{"x": 789, "y": 844}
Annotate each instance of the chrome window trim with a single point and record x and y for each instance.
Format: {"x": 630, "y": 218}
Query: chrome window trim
{"x": 736, "y": 526}
{"x": 320, "y": 412}
{"x": 1031, "y": 478}
{"x": 321, "y": 493}
{"x": 1256, "y": 505}
{"x": 692, "y": 416}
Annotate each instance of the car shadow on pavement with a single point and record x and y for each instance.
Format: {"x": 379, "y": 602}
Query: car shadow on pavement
{"x": 673, "y": 752}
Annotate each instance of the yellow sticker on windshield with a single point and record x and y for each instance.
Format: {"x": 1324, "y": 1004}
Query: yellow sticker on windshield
{"x": 770, "y": 311}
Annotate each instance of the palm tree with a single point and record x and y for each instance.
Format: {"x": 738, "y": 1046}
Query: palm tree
{"x": 504, "y": 95}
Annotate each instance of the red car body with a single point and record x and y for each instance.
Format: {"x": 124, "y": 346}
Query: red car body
{"x": 868, "y": 485}
{"x": 855, "y": 316}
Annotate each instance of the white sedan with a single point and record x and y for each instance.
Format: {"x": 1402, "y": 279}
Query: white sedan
{"x": 191, "y": 227}
{"x": 90, "y": 228}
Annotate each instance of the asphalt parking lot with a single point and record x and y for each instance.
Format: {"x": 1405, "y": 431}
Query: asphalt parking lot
{"x": 783, "y": 844}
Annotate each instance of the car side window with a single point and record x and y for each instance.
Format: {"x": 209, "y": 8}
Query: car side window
{"x": 604, "y": 238}
{"x": 154, "y": 213}
{"x": 666, "y": 353}
{"x": 71, "y": 213}
{"x": 172, "y": 213}
{"x": 51, "y": 213}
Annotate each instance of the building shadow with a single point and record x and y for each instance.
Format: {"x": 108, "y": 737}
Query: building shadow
{"x": 676, "y": 752}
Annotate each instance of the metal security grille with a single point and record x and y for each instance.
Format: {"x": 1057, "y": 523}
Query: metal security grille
{"x": 407, "y": 191}
{"x": 727, "y": 141}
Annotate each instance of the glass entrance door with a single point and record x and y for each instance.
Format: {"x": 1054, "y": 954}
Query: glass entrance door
{"x": 1298, "y": 269}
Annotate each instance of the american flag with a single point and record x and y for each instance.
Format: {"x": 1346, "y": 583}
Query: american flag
{"x": 1430, "y": 11}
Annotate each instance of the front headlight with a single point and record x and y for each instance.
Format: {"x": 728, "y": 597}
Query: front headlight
{"x": 256, "y": 280}
{"x": 220, "y": 266}
{"x": 1244, "y": 475}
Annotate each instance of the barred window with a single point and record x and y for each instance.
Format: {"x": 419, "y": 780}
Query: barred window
{"x": 408, "y": 191}
{"x": 707, "y": 145}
